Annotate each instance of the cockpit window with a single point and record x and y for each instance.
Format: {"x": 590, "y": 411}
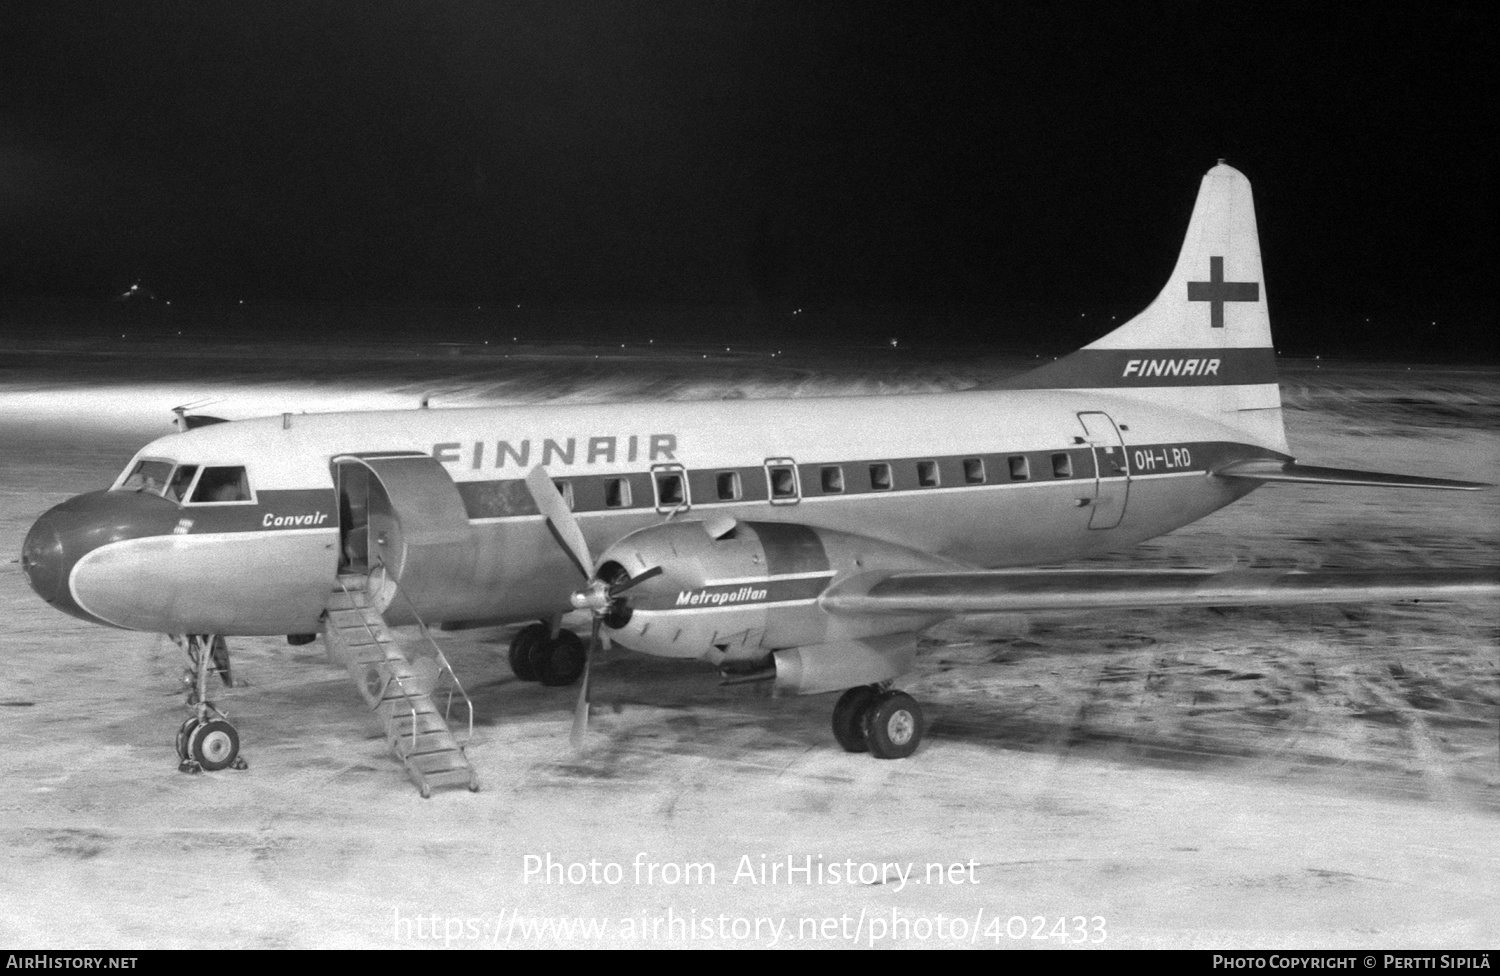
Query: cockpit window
{"x": 177, "y": 488}
{"x": 222, "y": 485}
{"x": 148, "y": 476}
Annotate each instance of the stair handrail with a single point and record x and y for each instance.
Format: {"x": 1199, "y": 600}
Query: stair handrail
{"x": 444, "y": 667}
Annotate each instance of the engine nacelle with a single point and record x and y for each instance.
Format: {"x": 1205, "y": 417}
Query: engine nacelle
{"x": 733, "y": 591}
{"x": 834, "y": 667}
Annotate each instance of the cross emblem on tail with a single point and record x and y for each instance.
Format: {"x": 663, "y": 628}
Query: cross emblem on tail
{"x": 1216, "y": 291}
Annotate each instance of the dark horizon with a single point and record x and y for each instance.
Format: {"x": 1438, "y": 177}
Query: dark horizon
{"x": 1035, "y": 164}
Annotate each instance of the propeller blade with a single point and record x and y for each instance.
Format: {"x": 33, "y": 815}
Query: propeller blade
{"x": 619, "y": 588}
{"x": 581, "y": 710}
{"x": 561, "y": 521}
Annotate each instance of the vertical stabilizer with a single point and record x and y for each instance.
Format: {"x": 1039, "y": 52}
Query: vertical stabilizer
{"x": 1204, "y": 344}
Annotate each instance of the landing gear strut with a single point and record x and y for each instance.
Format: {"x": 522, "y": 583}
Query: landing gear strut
{"x": 206, "y": 741}
{"x": 535, "y": 655}
{"x": 886, "y": 722}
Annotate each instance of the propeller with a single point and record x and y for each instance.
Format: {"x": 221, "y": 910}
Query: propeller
{"x": 598, "y": 596}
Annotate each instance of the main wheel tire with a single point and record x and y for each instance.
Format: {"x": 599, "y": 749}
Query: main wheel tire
{"x": 214, "y": 745}
{"x": 560, "y": 661}
{"x": 849, "y": 718}
{"x": 893, "y": 725}
{"x": 523, "y": 645}
{"x": 184, "y": 736}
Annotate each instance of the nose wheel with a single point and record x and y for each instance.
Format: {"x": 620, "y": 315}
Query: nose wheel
{"x": 885, "y": 723}
{"x": 206, "y": 741}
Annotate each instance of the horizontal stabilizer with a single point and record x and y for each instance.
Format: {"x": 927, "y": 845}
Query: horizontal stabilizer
{"x": 1014, "y": 591}
{"x": 1266, "y": 469}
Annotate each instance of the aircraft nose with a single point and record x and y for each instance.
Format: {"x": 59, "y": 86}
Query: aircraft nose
{"x": 42, "y": 557}
{"x": 70, "y": 531}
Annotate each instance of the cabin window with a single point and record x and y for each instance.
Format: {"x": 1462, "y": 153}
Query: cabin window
{"x": 833, "y": 480}
{"x": 148, "y": 476}
{"x": 669, "y": 491}
{"x": 617, "y": 493}
{"x": 565, "y": 489}
{"x": 222, "y": 485}
{"x": 927, "y": 474}
{"x": 1018, "y": 468}
{"x": 1062, "y": 466}
{"x": 880, "y": 477}
{"x": 729, "y": 486}
{"x": 973, "y": 471}
{"x": 783, "y": 479}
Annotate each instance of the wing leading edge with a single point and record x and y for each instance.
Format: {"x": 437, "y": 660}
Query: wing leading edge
{"x": 1009, "y": 591}
{"x": 1270, "y": 469}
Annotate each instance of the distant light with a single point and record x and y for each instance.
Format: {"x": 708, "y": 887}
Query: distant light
{"x": 242, "y": 301}
{"x": 726, "y": 348}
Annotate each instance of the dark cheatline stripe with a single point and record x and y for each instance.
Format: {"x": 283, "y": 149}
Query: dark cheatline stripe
{"x": 302, "y": 508}
{"x": 496, "y": 499}
{"x": 790, "y": 548}
{"x": 509, "y": 498}
{"x": 1146, "y": 368}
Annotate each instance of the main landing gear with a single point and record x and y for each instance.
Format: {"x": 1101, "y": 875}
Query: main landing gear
{"x": 206, "y": 741}
{"x": 535, "y": 655}
{"x": 885, "y": 722}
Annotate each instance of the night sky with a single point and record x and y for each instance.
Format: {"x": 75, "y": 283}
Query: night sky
{"x": 754, "y": 156}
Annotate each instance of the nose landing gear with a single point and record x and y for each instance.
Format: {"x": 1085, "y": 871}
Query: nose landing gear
{"x": 206, "y": 741}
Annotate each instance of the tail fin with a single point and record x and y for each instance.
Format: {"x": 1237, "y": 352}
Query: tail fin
{"x": 1204, "y": 344}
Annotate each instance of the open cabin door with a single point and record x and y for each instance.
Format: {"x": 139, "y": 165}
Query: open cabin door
{"x": 1111, "y": 470}
{"x": 401, "y": 519}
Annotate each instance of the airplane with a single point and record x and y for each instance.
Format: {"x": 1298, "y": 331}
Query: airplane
{"x": 806, "y": 542}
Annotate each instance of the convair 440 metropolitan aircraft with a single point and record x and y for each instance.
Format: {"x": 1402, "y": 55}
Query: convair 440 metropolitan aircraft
{"x": 808, "y": 542}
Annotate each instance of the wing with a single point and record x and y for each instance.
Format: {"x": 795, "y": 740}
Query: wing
{"x": 1011, "y": 591}
{"x": 1268, "y": 469}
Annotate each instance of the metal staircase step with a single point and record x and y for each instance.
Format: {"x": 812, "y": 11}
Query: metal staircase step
{"x": 426, "y": 722}
{"x": 432, "y": 763}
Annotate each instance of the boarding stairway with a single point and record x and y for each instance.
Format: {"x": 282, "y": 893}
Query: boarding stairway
{"x": 402, "y": 684}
